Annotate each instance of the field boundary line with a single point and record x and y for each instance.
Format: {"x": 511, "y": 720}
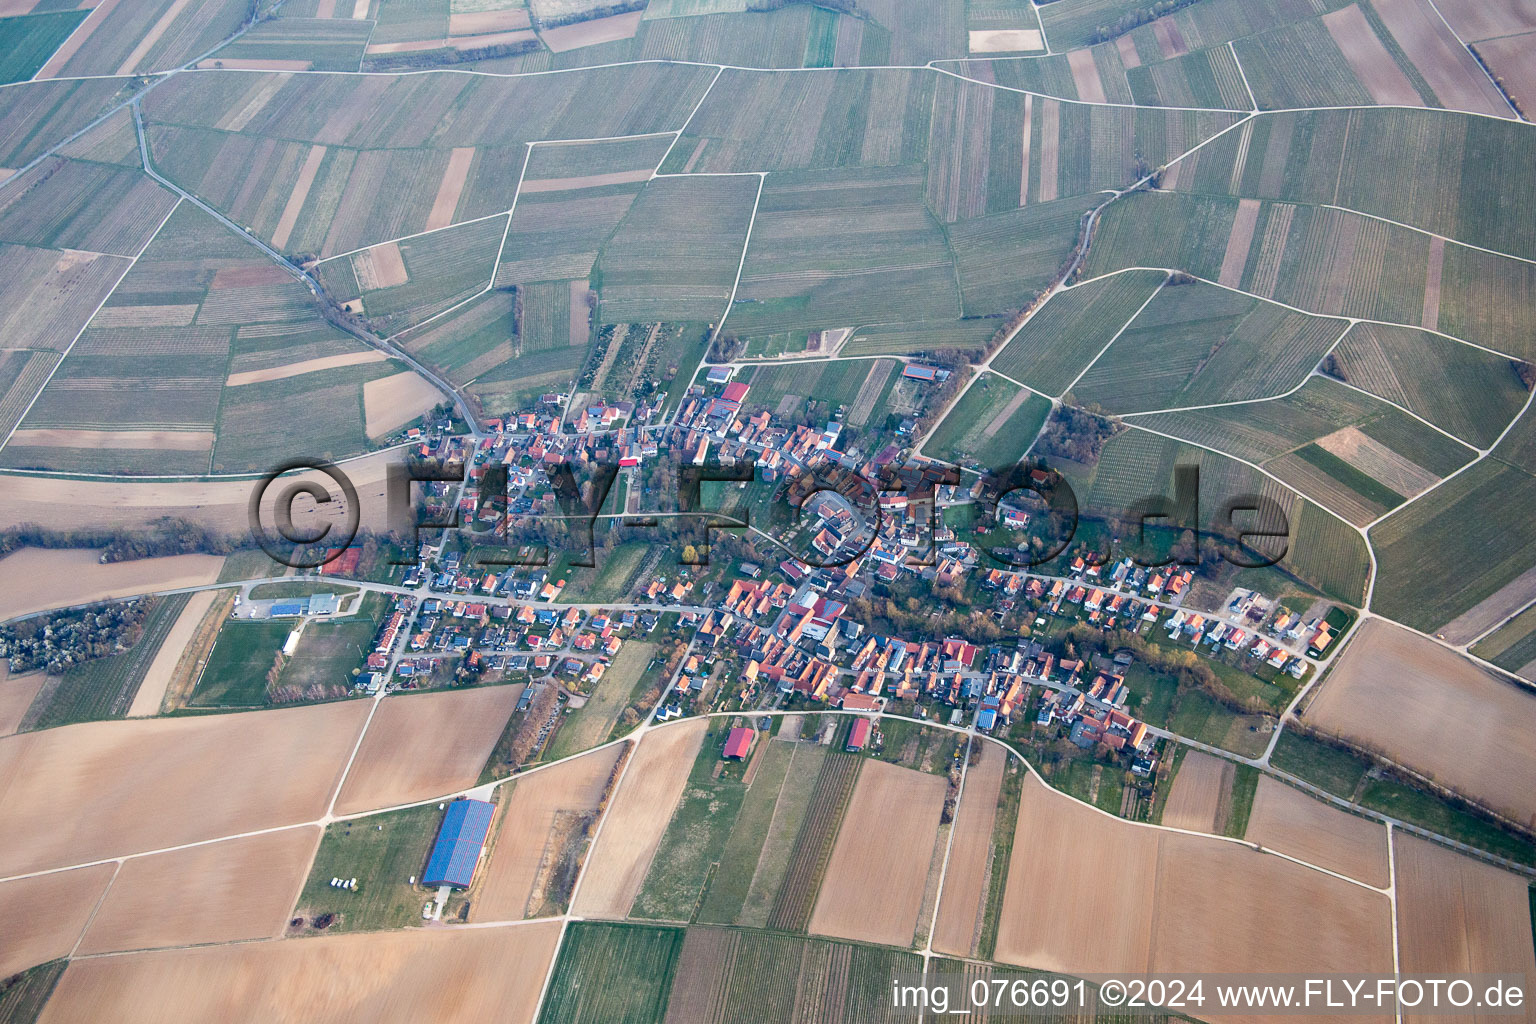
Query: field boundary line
{"x": 1485, "y": 454}
{"x": 746, "y": 243}
{"x": 1116, "y": 336}
{"x": 414, "y": 234}
{"x": 949, "y": 845}
{"x": 1410, "y": 412}
{"x": 1231, "y": 45}
{"x": 1258, "y": 468}
{"x": 688, "y": 120}
{"x": 1424, "y": 231}
{"x": 1397, "y": 969}
{"x": 100, "y": 901}
{"x": 1486, "y": 75}
{"x": 78, "y": 334}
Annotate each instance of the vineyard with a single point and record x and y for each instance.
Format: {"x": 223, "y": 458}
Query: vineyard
{"x": 734, "y": 974}
{"x": 796, "y": 899}
{"x": 612, "y": 972}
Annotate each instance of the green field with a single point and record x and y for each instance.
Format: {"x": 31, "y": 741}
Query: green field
{"x": 737, "y": 860}
{"x": 919, "y": 747}
{"x": 820, "y": 388}
{"x": 1003, "y": 827}
{"x": 1446, "y": 552}
{"x": 1203, "y": 718}
{"x": 104, "y": 687}
{"x": 1065, "y": 334}
{"x": 692, "y": 848}
{"x": 594, "y": 722}
{"x": 993, "y": 424}
{"x": 383, "y": 852}
{"x": 235, "y": 673}
{"x": 762, "y": 853}
{"x": 1244, "y": 786}
{"x": 612, "y": 972}
{"x": 297, "y": 588}
{"x": 22, "y": 995}
{"x": 923, "y": 336}
{"x": 889, "y": 262}
{"x": 28, "y": 41}
{"x": 1197, "y": 344}
{"x": 1513, "y": 645}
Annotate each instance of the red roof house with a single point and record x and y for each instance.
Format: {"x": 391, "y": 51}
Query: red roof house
{"x": 739, "y": 743}
{"x": 858, "y": 736}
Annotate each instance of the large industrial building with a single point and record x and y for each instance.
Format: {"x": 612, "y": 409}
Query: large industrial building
{"x": 460, "y": 839}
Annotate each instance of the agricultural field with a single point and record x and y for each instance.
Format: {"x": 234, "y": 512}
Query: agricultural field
{"x": 1323, "y": 552}
{"x": 296, "y": 44}
{"x": 922, "y": 336}
{"x": 66, "y": 577}
{"x": 1063, "y": 336}
{"x": 691, "y": 851}
{"x": 794, "y": 901}
{"x": 653, "y": 782}
{"x": 147, "y": 387}
{"x": 1512, "y": 646}
{"x": 1202, "y": 785}
{"x": 28, "y": 41}
{"x": 755, "y": 121}
{"x": 570, "y": 199}
{"x": 1456, "y": 913}
{"x": 1288, "y": 820}
{"x": 401, "y": 972}
{"x": 170, "y": 760}
{"x": 401, "y": 284}
{"x": 219, "y": 892}
{"x": 537, "y": 845}
{"x": 1444, "y": 557}
{"x": 1340, "y": 447}
{"x": 843, "y": 248}
{"x": 609, "y": 972}
{"x": 819, "y": 388}
{"x": 757, "y": 855}
{"x": 1198, "y": 344}
{"x": 675, "y": 254}
{"x": 1148, "y": 884}
{"x": 421, "y": 746}
{"x": 894, "y": 813}
{"x": 1460, "y": 389}
{"x": 1453, "y": 721}
{"x": 50, "y": 912}
{"x": 725, "y": 974}
{"x": 993, "y": 424}
{"x": 972, "y": 858}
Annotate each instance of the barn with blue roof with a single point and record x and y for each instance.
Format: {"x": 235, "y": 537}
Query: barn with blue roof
{"x": 460, "y": 839}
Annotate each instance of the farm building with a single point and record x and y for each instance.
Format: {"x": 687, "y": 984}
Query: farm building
{"x": 460, "y": 839}
{"x": 858, "y": 736}
{"x": 718, "y": 374}
{"x": 739, "y": 743}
